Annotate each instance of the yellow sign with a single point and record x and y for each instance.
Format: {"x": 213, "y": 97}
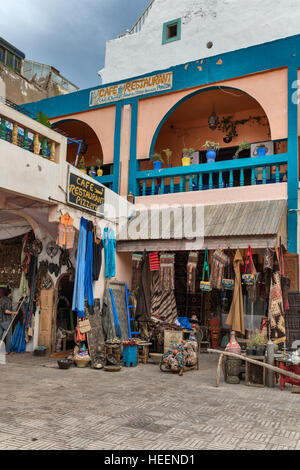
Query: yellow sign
{"x": 141, "y": 86}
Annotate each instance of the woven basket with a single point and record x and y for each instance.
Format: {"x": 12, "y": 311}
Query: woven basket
{"x": 84, "y": 326}
{"x": 82, "y": 362}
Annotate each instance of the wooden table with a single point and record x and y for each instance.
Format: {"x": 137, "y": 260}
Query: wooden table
{"x": 114, "y": 350}
{"x": 143, "y": 355}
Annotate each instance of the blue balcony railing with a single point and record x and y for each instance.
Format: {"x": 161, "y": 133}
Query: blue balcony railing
{"x": 227, "y": 174}
{"x": 106, "y": 180}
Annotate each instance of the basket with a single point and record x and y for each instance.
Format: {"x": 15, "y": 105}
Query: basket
{"x": 84, "y": 326}
{"x": 156, "y": 357}
{"x": 112, "y": 368}
{"x": 82, "y": 362}
{"x": 64, "y": 363}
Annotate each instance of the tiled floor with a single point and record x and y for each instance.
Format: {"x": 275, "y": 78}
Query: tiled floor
{"x": 42, "y": 407}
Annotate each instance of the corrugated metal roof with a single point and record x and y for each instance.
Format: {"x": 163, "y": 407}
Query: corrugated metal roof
{"x": 258, "y": 218}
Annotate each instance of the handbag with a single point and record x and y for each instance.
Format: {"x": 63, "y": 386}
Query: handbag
{"x": 84, "y": 326}
{"x": 205, "y": 286}
{"x": 249, "y": 279}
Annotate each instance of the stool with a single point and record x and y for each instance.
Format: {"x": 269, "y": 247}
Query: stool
{"x": 130, "y": 356}
{"x": 143, "y": 349}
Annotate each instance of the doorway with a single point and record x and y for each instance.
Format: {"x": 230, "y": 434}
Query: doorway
{"x": 66, "y": 320}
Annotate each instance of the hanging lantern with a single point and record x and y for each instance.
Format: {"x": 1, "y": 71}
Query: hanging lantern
{"x": 213, "y": 120}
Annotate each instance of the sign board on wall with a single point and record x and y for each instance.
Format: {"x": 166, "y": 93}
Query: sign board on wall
{"x": 139, "y": 87}
{"x": 85, "y": 194}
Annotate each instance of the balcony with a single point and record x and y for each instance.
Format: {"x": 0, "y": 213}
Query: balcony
{"x": 208, "y": 176}
{"x": 32, "y": 156}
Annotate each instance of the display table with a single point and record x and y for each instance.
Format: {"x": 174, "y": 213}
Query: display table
{"x": 287, "y": 365}
{"x": 143, "y": 352}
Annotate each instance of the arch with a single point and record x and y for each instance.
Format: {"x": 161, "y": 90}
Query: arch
{"x": 80, "y": 130}
{"x": 225, "y": 89}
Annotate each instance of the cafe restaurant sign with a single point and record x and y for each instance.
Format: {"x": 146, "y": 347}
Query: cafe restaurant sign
{"x": 85, "y": 194}
{"x": 139, "y": 87}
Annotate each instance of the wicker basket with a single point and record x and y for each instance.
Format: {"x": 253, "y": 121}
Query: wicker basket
{"x": 64, "y": 363}
{"x": 82, "y": 362}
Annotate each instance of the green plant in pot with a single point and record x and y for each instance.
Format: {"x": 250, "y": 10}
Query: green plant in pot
{"x": 243, "y": 146}
{"x": 99, "y": 170}
{"x": 186, "y": 156}
{"x": 259, "y": 342}
{"x": 212, "y": 149}
{"x": 157, "y": 161}
{"x": 168, "y": 153}
{"x": 82, "y": 166}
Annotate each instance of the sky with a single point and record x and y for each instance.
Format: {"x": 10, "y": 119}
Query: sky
{"x": 68, "y": 34}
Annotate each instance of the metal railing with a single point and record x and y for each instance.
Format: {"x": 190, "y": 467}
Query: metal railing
{"x": 138, "y": 25}
{"x": 227, "y": 174}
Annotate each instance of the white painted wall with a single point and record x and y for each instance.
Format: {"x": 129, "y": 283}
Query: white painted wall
{"x": 229, "y": 24}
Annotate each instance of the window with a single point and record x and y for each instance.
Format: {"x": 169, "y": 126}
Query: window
{"x": 2, "y": 54}
{"x": 17, "y": 64}
{"x": 172, "y": 31}
{"x": 9, "y": 59}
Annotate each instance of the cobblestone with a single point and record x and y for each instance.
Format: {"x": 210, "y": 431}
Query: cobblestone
{"x": 42, "y": 407}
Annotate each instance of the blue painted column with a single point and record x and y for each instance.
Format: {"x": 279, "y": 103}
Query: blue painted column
{"x": 293, "y": 165}
{"x": 133, "y": 163}
{"x": 117, "y": 143}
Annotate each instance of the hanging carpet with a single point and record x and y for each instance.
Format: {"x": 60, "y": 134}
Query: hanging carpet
{"x": 163, "y": 303}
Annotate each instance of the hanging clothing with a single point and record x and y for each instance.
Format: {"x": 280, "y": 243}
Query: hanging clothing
{"x": 18, "y": 343}
{"x": 136, "y": 270}
{"x": 97, "y": 255}
{"x": 236, "y": 314}
{"x": 167, "y": 271}
{"x": 218, "y": 263}
{"x": 109, "y": 243}
{"x": 191, "y": 271}
{"x": 66, "y": 232}
{"x": 88, "y": 271}
{"x": 154, "y": 261}
{"x": 143, "y": 306}
{"x": 163, "y": 303}
{"x": 276, "y": 310}
{"x": 79, "y": 283}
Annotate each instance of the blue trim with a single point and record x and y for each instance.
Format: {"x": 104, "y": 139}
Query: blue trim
{"x": 133, "y": 163}
{"x": 293, "y": 158}
{"x": 261, "y": 58}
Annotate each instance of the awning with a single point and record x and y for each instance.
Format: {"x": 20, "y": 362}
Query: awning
{"x": 260, "y": 224}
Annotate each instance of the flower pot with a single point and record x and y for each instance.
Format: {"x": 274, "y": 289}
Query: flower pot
{"x": 92, "y": 173}
{"x": 99, "y": 172}
{"x": 83, "y": 171}
{"x": 157, "y": 165}
{"x": 250, "y": 352}
{"x": 186, "y": 161}
{"x": 260, "y": 351}
{"x": 261, "y": 151}
{"x": 211, "y": 156}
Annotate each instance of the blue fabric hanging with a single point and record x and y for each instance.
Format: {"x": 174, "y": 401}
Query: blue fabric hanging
{"x": 18, "y": 343}
{"x": 79, "y": 283}
{"x": 116, "y": 319}
{"x": 88, "y": 274}
{"x": 109, "y": 242}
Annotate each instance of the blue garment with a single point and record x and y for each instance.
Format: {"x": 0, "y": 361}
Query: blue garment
{"x": 184, "y": 323}
{"x": 18, "y": 343}
{"x": 109, "y": 243}
{"x": 88, "y": 274}
{"x": 116, "y": 318}
{"x": 79, "y": 283}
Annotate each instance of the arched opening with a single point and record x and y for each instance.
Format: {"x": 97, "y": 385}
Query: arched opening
{"x": 91, "y": 151}
{"x": 186, "y": 126}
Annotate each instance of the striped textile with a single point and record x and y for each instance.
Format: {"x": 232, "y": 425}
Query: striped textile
{"x": 163, "y": 303}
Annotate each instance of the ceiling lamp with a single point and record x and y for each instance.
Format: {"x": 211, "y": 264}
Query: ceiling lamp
{"x": 213, "y": 120}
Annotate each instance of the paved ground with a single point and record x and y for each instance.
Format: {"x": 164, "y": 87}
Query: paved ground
{"x": 42, "y": 407}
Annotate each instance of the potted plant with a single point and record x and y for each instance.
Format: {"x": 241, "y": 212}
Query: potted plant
{"x": 99, "y": 171}
{"x": 81, "y": 165}
{"x": 243, "y": 146}
{"x": 212, "y": 148}
{"x": 168, "y": 154}
{"x": 259, "y": 342}
{"x": 157, "y": 161}
{"x": 186, "y": 156}
{"x": 261, "y": 150}
{"x": 92, "y": 171}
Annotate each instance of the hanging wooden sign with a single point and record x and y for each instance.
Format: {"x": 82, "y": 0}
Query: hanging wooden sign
{"x": 85, "y": 194}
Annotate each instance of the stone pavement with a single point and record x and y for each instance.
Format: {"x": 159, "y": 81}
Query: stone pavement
{"x": 42, "y": 407}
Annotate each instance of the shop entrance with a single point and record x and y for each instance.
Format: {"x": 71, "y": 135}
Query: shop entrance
{"x": 66, "y": 320}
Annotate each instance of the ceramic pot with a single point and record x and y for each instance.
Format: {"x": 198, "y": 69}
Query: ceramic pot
{"x": 84, "y": 171}
{"x": 260, "y": 351}
{"x": 99, "y": 172}
{"x": 211, "y": 156}
{"x": 186, "y": 161}
{"x": 157, "y": 165}
{"x": 261, "y": 151}
{"x": 92, "y": 173}
{"x": 250, "y": 352}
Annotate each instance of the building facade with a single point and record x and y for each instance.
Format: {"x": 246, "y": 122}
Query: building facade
{"x": 243, "y": 87}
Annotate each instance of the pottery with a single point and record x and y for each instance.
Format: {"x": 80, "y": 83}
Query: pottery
{"x": 156, "y": 357}
{"x": 186, "y": 161}
{"x": 233, "y": 369}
